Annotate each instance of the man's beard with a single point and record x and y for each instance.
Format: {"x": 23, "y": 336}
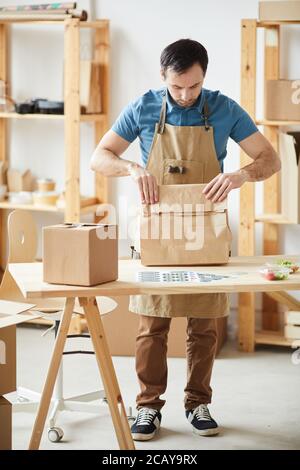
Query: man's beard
{"x": 186, "y": 104}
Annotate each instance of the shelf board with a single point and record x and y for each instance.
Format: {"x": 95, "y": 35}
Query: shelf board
{"x": 83, "y": 24}
{"x": 45, "y": 208}
{"x": 272, "y": 219}
{"x": 92, "y": 117}
{"x": 266, "y": 122}
{"x": 83, "y": 117}
{"x": 265, "y": 24}
{"x": 273, "y": 338}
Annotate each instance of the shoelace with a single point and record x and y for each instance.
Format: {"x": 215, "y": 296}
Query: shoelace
{"x": 201, "y": 412}
{"x": 145, "y": 416}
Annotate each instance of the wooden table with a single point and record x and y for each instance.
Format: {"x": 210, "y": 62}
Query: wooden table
{"x": 28, "y": 276}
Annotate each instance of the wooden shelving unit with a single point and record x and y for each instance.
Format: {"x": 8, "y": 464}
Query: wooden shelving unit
{"x": 272, "y": 218}
{"x": 72, "y": 117}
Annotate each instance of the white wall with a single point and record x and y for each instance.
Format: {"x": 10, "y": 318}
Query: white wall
{"x": 139, "y": 31}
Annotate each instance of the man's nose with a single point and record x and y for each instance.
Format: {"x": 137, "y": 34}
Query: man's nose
{"x": 185, "y": 95}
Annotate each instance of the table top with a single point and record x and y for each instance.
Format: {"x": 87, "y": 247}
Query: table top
{"x": 244, "y": 269}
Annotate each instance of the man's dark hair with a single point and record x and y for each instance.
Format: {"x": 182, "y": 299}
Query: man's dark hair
{"x": 182, "y": 54}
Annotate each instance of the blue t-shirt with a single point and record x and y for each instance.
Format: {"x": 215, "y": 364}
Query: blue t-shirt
{"x": 228, "y": 119}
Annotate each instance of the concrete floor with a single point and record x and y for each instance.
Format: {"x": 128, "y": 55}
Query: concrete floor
{"x": 256, "y": 399}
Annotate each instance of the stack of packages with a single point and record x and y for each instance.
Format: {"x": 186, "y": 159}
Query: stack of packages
{"x": 46, "y": 11}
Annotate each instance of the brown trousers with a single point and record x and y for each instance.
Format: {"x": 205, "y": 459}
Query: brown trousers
{"x": 151, "y": 360}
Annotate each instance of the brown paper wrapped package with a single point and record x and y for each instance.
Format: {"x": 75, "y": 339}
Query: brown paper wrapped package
{"x": 184, "y": 228}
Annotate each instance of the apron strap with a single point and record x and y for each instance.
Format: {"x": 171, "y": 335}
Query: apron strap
{"x": 205, "y": 115}
{"x": 162, "y": 117}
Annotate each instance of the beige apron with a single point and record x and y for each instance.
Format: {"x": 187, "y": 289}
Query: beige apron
{"x": 195, "y": 145}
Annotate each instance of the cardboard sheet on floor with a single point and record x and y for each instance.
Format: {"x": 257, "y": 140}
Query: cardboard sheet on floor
{"x": 8, "y": 307}
{"x": 8, "y": 320}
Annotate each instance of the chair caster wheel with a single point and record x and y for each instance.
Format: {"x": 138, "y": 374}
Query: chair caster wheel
{"x": 55, "y": 434}
{"x": 130, "y": 417}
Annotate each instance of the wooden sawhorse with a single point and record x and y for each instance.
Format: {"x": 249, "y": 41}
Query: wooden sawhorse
{"x": 106, "y": 368}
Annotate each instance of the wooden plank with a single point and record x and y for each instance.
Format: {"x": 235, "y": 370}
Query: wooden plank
{"x": 72, "y": 119}
{"x": 272, "y": 338}
{"x": 103, "y": 23}
{"x": 264, "y": 24}
{"x": 102, "y": 56}
{"x": 246, "y": 242}
{"x": 51, "y": 376}
{"x": 285, "y": 299}
{"x": 106, "y": 369}
{"x": 83, "y": 24}
{"x": 270, "y": 316}
{"x": 29, "y": 279}
{"x": 53, "y": 117}
{"x": 46, "y": 208}
{"x": 273, "y": 219}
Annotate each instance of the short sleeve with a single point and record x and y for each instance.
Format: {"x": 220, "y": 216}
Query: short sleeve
{"x": 127, "y": 126}
{"x": 242, "y": 124}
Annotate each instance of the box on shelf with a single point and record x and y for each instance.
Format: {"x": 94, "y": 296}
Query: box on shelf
{"x": 80, "y": 254}
{"x": 5, "y": 424}
{"x": 289, "y": 151}
{"x": 19, "y": 181}
{"x": 121, "y": 319}
{"x": 282, "y": 100}
{"x": 45, "y": 185}
{"x": 3, "y": 173}
{"x": 279, "y": 10}
{"x": 7, "y": 359}
{"x": 90, "y": 86}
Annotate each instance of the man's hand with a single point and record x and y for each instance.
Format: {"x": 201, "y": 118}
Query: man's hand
{"x": 219, "y": 187}
{"x": 147, "y": 183}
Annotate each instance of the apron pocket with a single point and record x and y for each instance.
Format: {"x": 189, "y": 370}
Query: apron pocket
{"x": 182, "y": 171}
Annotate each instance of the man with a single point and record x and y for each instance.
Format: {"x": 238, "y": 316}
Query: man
{"x": 182, "y": 121}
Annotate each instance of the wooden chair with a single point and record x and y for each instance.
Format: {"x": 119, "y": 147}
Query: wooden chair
{"x": 22, "y": 239}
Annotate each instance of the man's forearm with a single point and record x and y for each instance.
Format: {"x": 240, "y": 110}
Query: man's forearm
{"x": 262, "y": 168}
{"x": 109, "y": 164}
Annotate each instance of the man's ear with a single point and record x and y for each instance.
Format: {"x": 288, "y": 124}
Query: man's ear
{"x": 162, "y": 74}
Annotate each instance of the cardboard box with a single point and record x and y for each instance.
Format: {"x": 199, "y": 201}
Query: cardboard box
{"x": 289, "y": 151}
{"x": 8, "y": 324}
{"x": 90, "y": 87}
{"x": 282, "y": 100}
{"x": 7, "y": 359}
{"x": 3, "y": 172}
{"x": 19, "y": 181}
{"x": 120, "y": 320}
{"x": 94, "y": 104}
{"x": 279, "y": 10}
{"x": 5, "y": 424}
{"x": 80, "y": 254}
